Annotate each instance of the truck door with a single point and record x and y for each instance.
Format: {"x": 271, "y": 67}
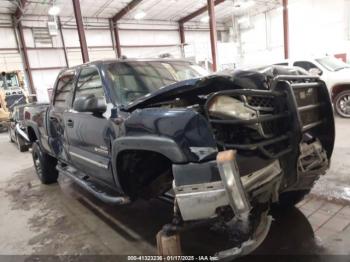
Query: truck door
{"x": 57, "y": 139}
{"x": 88, "y": 133}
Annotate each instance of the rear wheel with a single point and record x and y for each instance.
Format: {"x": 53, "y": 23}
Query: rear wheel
{"x": 291, "y": 198}
{"x": 22, "y": 147}
{"x": 45, "y": 165}
{"x": 342, "y": 104}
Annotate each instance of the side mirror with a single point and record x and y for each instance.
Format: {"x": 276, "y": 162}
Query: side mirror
{"x": 315, "y": 71}
{"x": 90, "y": 103}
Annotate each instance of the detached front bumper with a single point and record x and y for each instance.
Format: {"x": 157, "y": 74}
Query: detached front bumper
{"x": 201, "y": 201}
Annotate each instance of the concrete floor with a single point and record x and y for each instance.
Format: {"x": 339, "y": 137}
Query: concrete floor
{"x": 62, "y": 219}
{"x": 336, "y": 184}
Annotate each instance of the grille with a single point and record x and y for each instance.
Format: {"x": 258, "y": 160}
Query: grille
{"x": 268, "y": 128}
{"x": 260, "y": 102}
{"x": 265, "y": 133}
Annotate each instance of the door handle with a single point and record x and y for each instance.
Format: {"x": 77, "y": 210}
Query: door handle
{"x": 70, "y": 123}
{"x": 52, "y": 118}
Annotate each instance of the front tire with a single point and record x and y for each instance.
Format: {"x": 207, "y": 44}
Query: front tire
{"x": 45, "y": 165}
{"x": 342, "y": 104}
{"x": 290, "y": 199}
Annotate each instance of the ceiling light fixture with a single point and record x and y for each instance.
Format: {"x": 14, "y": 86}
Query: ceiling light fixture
{"x": 139, "y": 15}
{"x": 205, "y": 19}
{"x": 54, "y": 10}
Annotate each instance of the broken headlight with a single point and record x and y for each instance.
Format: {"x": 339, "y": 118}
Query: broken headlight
{"x": 228, "y": 107}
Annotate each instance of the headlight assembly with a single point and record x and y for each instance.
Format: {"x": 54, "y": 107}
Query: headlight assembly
{"x": 228, "y": 107}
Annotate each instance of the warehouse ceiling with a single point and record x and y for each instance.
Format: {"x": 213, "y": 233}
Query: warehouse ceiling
{"x": 164, "y": 10}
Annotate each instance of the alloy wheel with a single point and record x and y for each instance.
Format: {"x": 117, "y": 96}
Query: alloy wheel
{"x": 343, "y": 105}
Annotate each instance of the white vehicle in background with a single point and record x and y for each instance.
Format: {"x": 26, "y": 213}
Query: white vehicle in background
{"x": 335, "y": 73}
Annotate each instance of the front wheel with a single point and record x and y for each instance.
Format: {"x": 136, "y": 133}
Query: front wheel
{"x": 342, "y": 104}
{"x": 291, "y": 198}
{"x": 45, "y": 165}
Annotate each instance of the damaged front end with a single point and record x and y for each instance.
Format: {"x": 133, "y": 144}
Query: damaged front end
{"x": 289, "y": 126}
{"x": 241, "y": 194}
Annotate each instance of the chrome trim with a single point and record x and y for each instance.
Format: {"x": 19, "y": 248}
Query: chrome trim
{"x": 88, "y": 160}
{"x": 22, "y": 133}
{"x": 232, "y": 181}
{"x": 101, "y": 150}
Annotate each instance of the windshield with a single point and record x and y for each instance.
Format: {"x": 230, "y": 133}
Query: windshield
{"x": 134, "y": 79}
{"x": 8, "y": 80}
{"x": 332, "y": 63}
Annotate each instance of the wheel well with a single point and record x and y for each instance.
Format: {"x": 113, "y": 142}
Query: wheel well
{"x": 338, "y": 89}
{"x": 31, "y": 134}
{"x": 144, "y": 173}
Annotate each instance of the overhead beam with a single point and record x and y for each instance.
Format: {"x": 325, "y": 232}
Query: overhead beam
{"x": 26, "y": 59}
{"x": 111, "y": 30}
{"x": 20, "y": 8}
{"x": 285, "y": 28}
{"x": 116, "y": 18}
{"x": 117, "y": 40}
{"x": 126, "y": 10}
{"x": 23, "y": 47}
{"x": 213, "y": 32}
{"x": 81, "y": 32}
{"x": 182, "y": 33}
{"x": 198, "y": 12}
{"x": 63, "y": 42}
{"x": 182, "y": 38}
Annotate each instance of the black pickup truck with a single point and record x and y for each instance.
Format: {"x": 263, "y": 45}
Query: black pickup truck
{"x": 221, "y": 148}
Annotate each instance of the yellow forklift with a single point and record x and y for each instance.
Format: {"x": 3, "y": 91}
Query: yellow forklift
{"x": 12, "y": 93}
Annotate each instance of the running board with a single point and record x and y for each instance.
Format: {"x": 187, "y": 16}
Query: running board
{"x": 93, "y": 188}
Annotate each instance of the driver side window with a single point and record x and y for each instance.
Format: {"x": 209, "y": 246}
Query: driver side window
{"x": 63, "y": 91}
{"x": 89, "y": 83}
